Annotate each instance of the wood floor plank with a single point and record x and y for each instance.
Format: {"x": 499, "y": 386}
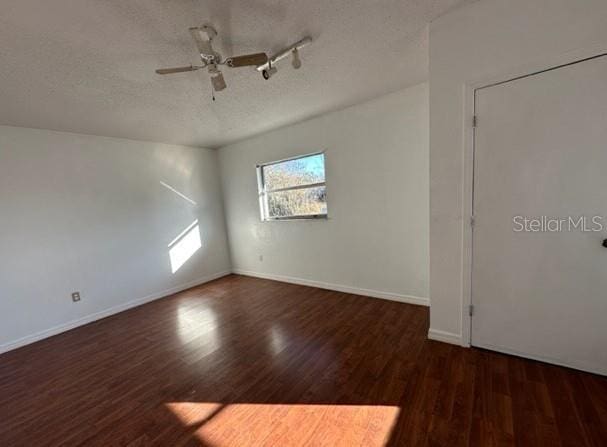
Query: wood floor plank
{"x": 250, "y": 362}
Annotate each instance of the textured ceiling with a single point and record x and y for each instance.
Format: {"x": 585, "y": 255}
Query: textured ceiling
{"x": 87, "y": 66}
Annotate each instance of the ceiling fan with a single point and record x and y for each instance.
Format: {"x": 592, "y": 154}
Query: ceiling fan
{"x": 211, "y": 59}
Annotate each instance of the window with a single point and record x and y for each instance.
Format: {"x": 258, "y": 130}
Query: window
{"x": 293, "y": 188}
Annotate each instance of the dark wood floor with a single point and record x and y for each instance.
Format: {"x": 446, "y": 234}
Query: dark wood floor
{"x": 249, "y": 362}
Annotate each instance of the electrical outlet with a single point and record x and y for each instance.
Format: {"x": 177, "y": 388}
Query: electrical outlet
{"x": 260, "y": 258}
{"x": 76, "y": 297}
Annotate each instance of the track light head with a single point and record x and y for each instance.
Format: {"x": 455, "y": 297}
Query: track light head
{"x": 269, "y": 72}
{"x": 296, "y": 62}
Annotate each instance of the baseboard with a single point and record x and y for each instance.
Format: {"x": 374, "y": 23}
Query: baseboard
{"x": 105, "y": 313}
{"x": 338, "y": 287}
{"x": 446, "y": 337}
{"x": 573, "y": 365}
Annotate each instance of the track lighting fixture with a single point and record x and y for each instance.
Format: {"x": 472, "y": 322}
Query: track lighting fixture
{"x": 296, "y": 62}
{"x": 269, "y": 72}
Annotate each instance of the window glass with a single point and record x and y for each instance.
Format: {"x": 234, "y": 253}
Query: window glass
{"x": 293, "y": 188}
{"x": 297, "y": 172}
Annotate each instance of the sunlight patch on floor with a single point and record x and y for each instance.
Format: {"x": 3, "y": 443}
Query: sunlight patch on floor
{"x": 193, "y": 413}
{"x": 197, "y": 329}
{"x": 252, "y": 424}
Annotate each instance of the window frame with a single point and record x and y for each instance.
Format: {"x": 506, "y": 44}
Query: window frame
{"x": 263, "y": 193}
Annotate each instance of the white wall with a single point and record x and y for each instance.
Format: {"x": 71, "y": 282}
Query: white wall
{"x": 89, "y": 214}
{"x": 484, "y": 41}
{"x": 375, "y": 241}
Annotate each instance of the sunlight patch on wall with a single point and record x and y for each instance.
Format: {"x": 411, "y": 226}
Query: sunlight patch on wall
{"x": 327, "y": 424}
{"x": 184, "y": 246}
{"x": 183, "y": 196}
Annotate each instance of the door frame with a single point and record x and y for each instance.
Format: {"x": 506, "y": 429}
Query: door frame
{"x": 469, "y": 91}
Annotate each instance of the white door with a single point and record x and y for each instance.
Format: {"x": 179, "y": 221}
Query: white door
{"x": 541, "y": 150}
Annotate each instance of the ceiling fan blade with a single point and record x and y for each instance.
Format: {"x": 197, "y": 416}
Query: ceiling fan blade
{"x": 203, "y": 36}
{"x": 247, "y": 59}
{"x": 164, "y": 71}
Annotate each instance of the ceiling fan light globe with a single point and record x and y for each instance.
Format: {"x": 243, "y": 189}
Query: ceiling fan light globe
{"x": 218, "y": 82}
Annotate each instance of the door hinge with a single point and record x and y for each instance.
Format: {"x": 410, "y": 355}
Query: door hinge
{"x": 471, "y": 309}
{"x": 472, "y": 221}
{"x": 474, "y": 121}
